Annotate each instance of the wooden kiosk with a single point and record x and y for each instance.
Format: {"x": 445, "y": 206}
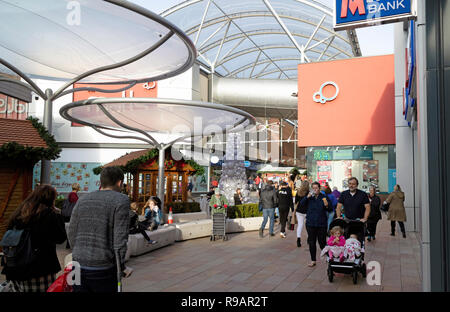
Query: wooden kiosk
{"x": 141, "y": 168}
{"x": 22, "y": 145}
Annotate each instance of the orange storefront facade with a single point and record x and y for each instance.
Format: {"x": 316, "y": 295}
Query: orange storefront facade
{"x": 363, "y": 112}
{"x": 346, "y": 121}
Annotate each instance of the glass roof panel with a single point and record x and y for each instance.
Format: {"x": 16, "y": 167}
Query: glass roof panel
{"x": 255, "y": 20}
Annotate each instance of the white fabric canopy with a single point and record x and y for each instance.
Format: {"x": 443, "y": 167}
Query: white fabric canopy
{"x": 61, "y": 40}
{"x": 165, "y": 120}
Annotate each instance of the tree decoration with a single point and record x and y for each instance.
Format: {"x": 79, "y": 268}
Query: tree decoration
{"x": 132, "y": 165}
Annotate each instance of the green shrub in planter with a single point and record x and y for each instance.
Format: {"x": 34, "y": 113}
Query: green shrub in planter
{"x": 183, "y": 207}
{"x": 244, "y": 211}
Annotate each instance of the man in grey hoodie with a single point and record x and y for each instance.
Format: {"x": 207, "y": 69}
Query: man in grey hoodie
{"x": 268, "y": 200}
{"x": 98, "y": 231}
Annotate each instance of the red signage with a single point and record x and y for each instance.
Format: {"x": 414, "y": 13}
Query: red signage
{"x": 12, "y": 108}
{"x": 141, "y": 90}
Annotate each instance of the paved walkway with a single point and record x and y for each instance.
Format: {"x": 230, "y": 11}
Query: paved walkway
{"x": 248, "y": 263}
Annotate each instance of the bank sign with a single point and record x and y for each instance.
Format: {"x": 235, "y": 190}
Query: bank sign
{"x": 359, "y": 13}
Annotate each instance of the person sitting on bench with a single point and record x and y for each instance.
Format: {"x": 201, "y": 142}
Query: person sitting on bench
{"x": 138, "y": 227}
{"x": 153, "y": 214}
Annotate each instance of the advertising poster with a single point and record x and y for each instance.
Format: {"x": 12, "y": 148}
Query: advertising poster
{"x": 64, "y": 174}
{"x": 324, "y": 172}
{"x": 348, "y": 166}
{"x": 200, "y": 182}
{"x": 370, "y": 173}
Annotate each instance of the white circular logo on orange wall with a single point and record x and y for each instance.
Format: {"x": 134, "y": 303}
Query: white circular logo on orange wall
{"x": 318, "y": 97}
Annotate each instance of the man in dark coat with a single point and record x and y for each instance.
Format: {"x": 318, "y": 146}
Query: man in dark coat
{"x": 375, "y": 214}
{"x": 285, "y": 202}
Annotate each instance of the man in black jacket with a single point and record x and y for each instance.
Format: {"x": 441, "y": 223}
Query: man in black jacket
{"x": 285, "y": 202}
{"x": 268, "y": 200}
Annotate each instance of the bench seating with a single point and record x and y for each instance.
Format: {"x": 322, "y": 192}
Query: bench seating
{"x": 164, "y": 235}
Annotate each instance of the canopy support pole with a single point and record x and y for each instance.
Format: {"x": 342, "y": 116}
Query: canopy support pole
{"x": 48, "y": 121}
{"x": 161, "y": 177}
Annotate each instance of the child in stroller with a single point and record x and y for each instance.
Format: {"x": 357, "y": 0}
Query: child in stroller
{"x": 336, "y": 244}
{"x": 353, "y": 250}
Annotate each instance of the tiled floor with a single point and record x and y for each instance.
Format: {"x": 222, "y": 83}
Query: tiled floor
{"x": 247, "y": 263}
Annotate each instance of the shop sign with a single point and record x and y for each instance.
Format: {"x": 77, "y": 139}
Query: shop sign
{"x": 12, "y": 108}
{"x": 342, "y": 154}
{"x": 363, "y": 154}
{"x": 360, "y": 13}
{"x": 322, "y": 155}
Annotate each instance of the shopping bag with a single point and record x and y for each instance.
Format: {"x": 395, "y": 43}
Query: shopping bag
{"x": 61, "y": 285}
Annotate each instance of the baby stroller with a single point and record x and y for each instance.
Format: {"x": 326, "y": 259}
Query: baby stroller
{"x": 348, "y": 267}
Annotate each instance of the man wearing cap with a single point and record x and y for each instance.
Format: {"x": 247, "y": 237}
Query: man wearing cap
{"x": 218, "y": 202}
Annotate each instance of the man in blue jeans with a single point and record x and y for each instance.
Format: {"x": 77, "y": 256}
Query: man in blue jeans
{"x": 268, "y": 200}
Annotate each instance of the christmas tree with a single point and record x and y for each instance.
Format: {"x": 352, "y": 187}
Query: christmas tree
{"x": 233, "y": 170}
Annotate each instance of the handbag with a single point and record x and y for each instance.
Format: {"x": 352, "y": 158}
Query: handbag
{"x": 7, "y": 286}
{"x": 385, "y": 207}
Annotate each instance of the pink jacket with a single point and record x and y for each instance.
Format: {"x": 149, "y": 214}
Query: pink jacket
{"x": 341, "y": 241}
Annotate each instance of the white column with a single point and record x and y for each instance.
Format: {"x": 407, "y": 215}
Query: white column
{"x": 403, "y": 133}
{"x": 423, "y": 147}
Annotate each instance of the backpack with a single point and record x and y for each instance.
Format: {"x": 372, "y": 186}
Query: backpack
{"x": 17, "y": 249}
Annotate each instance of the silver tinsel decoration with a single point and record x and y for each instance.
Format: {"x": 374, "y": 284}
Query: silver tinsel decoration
{"x": 233, "y": 170}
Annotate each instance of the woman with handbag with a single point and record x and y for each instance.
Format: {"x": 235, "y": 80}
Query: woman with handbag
{"x": 375, "y": 214}
{"x": 300, "y": 210}
{"x": 69, "y": 204}
{"x": 316, "y": 219}
{"x": 396, "y": 212}
{"x": 38, "y": 218}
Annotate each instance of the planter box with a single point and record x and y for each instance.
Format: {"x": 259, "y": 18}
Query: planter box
{"x": 203, "y": 228}
{"x": 186, "y": 217}
{"x": 193, "y": 229}
{"x": 245, "y": 224}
